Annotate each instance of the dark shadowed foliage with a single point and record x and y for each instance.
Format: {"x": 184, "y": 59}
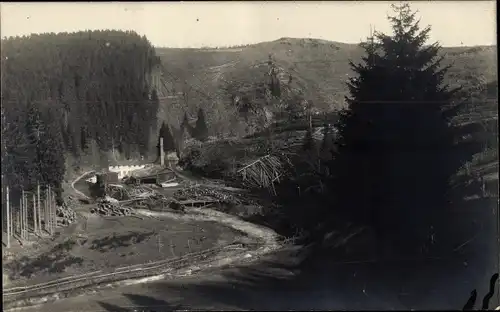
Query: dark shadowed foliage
{"x": 168, "y": 139}
{"x": 201, "y": 128}
{"x": 397, "y": 149}
{"x": 186, "y": 127}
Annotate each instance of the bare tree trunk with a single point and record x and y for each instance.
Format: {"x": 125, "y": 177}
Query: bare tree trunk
{"x": 21, "y": 218}
{"x": 35, "y": 228}
{"x": 26, "y": 224}
{"x": 46, "y": 210}
{"x": 38, "y": 208}
{"x": 54, "y": 213}
{"x": 8, "y": 216}
{"x": 23, "y": 225}
{"x": 49, "y": 200}
{"x": 162, "y": 156}
{"x": 18, "y": 221}
{"x": 52, "y": 210}
{"x": 22, "y": 215}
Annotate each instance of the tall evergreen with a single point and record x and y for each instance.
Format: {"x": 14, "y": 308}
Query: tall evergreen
{"x": 168, "y": 139}
{"x": 36, "y": 131}
{"x": 274, "y": 83}
{"x": 397, "y": 150}
{"x": 201, "y": 128}
{"x": 327, "y": 145}
{"x": 50, "y": 152}
{"x": 18, "y": 159}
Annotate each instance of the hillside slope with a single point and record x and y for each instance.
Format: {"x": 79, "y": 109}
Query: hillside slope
{"x": 319, "y": 70}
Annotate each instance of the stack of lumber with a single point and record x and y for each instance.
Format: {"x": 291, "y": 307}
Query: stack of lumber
{"x": 211, "y": 194}
{"x": 105, "y": 208}
{"x": 65, "y": 215}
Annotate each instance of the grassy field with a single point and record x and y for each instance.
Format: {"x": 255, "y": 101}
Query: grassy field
{"x": 106, "y": 243}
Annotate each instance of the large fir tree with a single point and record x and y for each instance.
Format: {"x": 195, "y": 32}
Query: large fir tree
{"x": 201, "y": 128}
{"x": 397, "y": 150}
{"x": 50, "y": 152}
{"x": 168, "y": 139}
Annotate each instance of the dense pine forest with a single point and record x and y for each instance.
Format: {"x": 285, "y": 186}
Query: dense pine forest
{"x": 78, "y": 94}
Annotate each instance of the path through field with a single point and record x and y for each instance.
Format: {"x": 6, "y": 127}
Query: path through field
{"x": 275, "y": 282}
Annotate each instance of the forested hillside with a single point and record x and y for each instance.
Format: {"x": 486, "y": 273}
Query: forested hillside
{"x": 88, "y": 94}
{"x": 307, "y": 69}
{"x": 79, "y": 94}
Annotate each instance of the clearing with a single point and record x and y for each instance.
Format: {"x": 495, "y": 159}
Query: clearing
{"x": 97, "y": 243}
{"x": 101, "y": 243}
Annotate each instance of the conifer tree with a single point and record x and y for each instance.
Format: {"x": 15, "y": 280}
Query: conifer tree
{"x": 36, "y": 132}
{"x": 274, "y": 83}
{"x": 170, "y": 146}
{"x": 397, "y": 150}
{"x": 52, "y": 153}
{"x": 327, "y": 145}
{"x": 47, "y": 145}
{"x": 201, "y": 128}
{"x": 180, "y": 138}
{"x": 18, "y": 161}
{"x": 168, "y": 139}
{"x": 310, "y": 149}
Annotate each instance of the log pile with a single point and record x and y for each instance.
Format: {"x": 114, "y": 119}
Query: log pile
{"x": 211, "y": 194}
{"x": 139, "y": 191}
{"x": 139, "y": 197}
{"x": 264, "y": 172}
{"x": 123, "y": 200}
{"x": 122, "y": 193}
{"x": 117, "y": 192}
{"x": 65, "y": 215}
{"x": 105, "y": 208}
{"x": 155, "y": 201}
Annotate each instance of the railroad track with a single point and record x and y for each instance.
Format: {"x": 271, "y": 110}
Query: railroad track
{"x": 121, "y": 273}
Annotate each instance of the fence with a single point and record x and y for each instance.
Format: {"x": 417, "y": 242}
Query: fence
{"x": 33, "y": 214}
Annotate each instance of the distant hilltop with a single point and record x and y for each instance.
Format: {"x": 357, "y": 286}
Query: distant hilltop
{"x": 318, "y": 69}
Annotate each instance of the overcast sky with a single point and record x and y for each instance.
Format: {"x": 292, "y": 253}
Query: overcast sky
{"x": 196, "y": 24}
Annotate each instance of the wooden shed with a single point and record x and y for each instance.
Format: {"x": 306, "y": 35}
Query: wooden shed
{"x": 111, "y": 177}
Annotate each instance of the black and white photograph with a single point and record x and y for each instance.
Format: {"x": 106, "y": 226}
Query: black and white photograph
{"x": 249, "y": 156}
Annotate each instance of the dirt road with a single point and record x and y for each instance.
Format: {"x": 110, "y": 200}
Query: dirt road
{"x": 276, "y": 283}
